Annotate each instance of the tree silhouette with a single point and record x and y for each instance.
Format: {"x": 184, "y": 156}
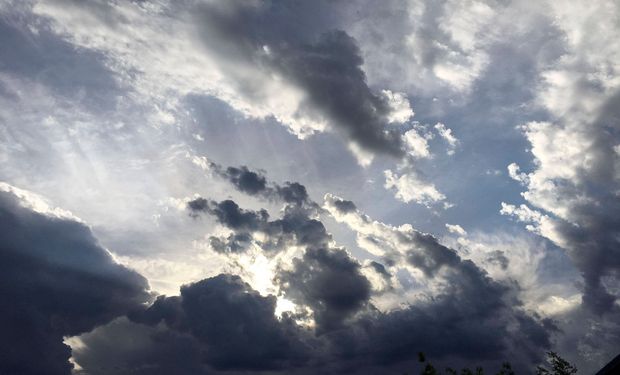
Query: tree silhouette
{"x": 559, "y": 366}
{"x": 506, "y": 369}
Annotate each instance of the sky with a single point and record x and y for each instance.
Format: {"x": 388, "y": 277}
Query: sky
{"x": 302, "y": 187}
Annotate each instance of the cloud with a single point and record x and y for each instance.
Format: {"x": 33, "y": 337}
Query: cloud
{"x": 456, "y": 229}
{"x": 296, "y": 226}
{"x": 447, "y": 279}
{"x": 59, "y": 281}
{"x": 330, "y": 282}
{"x": 343, "y": 295}
{"x": 255, "y": 184}
{"x": 252, "y": 56}
{"x": 454, "y": 309}
{"x": 446, "y": 134}
{"x": 236, "y": 324}
{"x": 216, "y": 324}
{"x": 246, "y": 52}
{"x": 571, "y": 191}
{"x": 431, "y": 47}
{"x": 410, "y": 187}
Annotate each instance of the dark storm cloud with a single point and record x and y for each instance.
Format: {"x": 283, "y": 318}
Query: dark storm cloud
{"x": 595, "y": 243}
{"x": 470, "y": 308}
{"x": 228, "y": 213}
{"x": 498, "y": 257}
{"x": 344, "y": 206}
{"x": 233, "y": 243}
{"x": 327, "y": 66}
{"x": 296, "y": 226}
{"x": 255, "y": 183}
{"x": 55, "y": 281}
{"x": 127, "y": 348}
{"x": 427, "y": 254}
{"x": 227, "y": 326}
{"x": 590, "y": 232}
{"x": 221, "y": 323}
{"x": 380, "y": 269}
{"x": 472, "y": 317}
{"x": 245, "y": 180}
{"x": 471, "y": 321}
{"x": 328, "y": 281}
{"x": 235, "y": 324}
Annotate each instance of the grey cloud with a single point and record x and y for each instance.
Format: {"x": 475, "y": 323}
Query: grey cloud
{"x": 327, "y": 66}
{"x": 472, "y": 317}
{"x": 245, "y": 180}
{"x": 123, "y": 347}
{"x": 498, "y": 257}
{"x": 294, "y": 227}
{"x": 473, "y": 320}
{"x": 225, "y": 325}
{"x": 235, "y": 325}
{"x": 330, "y": 71}
{"x": 229, "y": 213}
{"x": 586, "y": 222}
{"x": 233, "y": 243}
{"x": 427, "y": 254}
{"x": 380, "y": 269}
{"x": 594, "y": 244}
{"x": 344, "y": 206}
{"x": 255, "y": 183}
{"x": 328, "y": 281}
{"x": 60, "y": 282}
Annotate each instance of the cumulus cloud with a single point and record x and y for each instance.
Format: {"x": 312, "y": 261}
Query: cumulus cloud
{"x": 216, "y": 324}
{"x": 59, "y": 281}
{"x": 297, "y": 226}
{"x": 409, "y": 187}
{"x": 456, "y": 229}
{"x": 246, "y": 52}
{"x": 573, "y": 185}
{"x": 236, "y": 323}
{"x": 328, "y": 281}
{"x": 255, "y": 183}
{"x": 254, "y": 57}
{"x": 439, "y": 272}
{"x": 103, "y": 107}
{"x": 223, "y": 324}
{"x": 446, "y": 134}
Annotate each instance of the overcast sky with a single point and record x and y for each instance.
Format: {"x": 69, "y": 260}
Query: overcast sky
{"x": 304, "y": 187}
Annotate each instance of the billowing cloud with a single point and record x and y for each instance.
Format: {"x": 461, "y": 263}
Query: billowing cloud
{"x": 248, "y": 51}
{"x": 235, "y": 323}
{"x": 253, "y": 56}
{"x": 108, "y": 107}
{"x": 572, "y": 191}
{"x": 329, "y": 282}
{"x": 57, "y": 281}
{"x": 342, "y": 299}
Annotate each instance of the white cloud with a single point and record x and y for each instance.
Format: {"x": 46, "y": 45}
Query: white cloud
{"x": 525, "y": 259}
{"x": 410, "y": 188}
{"x": 576, "y": 173}
{"x": 456, "y": 229}
{"x": 443, "y": 48}
{"x": 416, "y": 144}
{"x": 158, "y": 52}
{"x": 37, "y": 203}
{"x": 446, "y": 133}
{"x": 399, "y": 104}
{"x": 514, "y": 171}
